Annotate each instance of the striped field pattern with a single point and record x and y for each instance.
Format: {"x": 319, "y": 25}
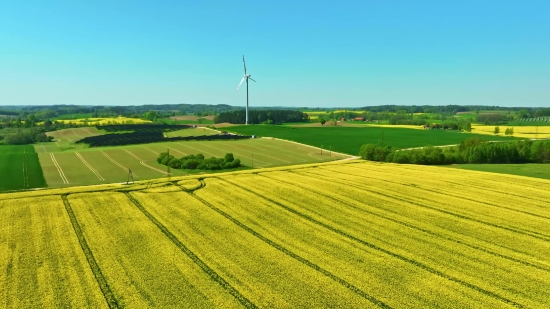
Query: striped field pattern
{"x": 326, "y": 235}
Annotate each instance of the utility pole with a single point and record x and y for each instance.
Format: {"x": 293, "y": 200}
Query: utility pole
{"x": 321, "y": 150}
{"x": 167, "y": 166}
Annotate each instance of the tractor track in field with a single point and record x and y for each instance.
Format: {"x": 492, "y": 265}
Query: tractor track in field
{"x": 457, "y": 196}
{"x": 209, "y": 271}
{"x": 473, "y": 183}
{"x": 110, "y": 298}
{"x": 411, "y": 226}
{"x": 332, "y": 181}
{"x": 242, "y": 154}
{"x": 89, "y": 166}
{"x": 59, "y": 169}
{"x": 145, "y": 164}
{"x": 383, "y": 250}
{"x": 450, "y": 213}
{"x": 25, "y": 170}
{"x": 289, "y": 253}
{"x": 116, "y": 163}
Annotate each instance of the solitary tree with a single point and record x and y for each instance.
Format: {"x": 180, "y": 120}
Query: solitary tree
{"x": 497, "y": 130}
{"x": 322, "y": 121}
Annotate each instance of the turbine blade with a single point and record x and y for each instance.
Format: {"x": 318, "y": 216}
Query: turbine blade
{"x": 240, "y": 83}
{"x": 251, "y": 79}
{"x": 244, "y": 63}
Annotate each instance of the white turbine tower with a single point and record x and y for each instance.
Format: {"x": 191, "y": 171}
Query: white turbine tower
{"x": 245, "y": 77}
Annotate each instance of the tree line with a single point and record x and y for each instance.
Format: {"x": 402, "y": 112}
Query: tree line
{"x": 262, "y": 116}
{"x": 472, "y": 151}
{"x": 198, "y": 161}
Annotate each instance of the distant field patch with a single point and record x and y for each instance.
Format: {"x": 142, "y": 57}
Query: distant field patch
{"x": 102, "y": 121}
{"x": 192, "y": 132}
{"x": 519, "y": 131}
{"x": 73, "y": 134}
{"x": 191, "y": 117}
{"x": 20, "y": 168}
{"x": 75, "y": 165}
{"x": 528, "y": 170}
{"x": 350, "y": 139}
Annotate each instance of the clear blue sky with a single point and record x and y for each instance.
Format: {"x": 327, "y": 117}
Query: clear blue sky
{"x": 302, "y": 53}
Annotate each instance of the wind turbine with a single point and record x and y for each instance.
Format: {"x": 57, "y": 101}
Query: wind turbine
{"x": 245, "y": 77}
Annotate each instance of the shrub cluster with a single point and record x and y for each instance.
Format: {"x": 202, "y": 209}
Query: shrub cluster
{"x": 26, "y": 138}
{"x": 474, "y": 150}
{"x": 199, "y": 162}
{"x": 488, "y": 119}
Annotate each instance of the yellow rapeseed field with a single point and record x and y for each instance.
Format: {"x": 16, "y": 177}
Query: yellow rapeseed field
{"x": 519, "y": 131}
{"x": 41, "y": 262}
{"x": 102, "y": 121}
{"x": 348, "y": 234}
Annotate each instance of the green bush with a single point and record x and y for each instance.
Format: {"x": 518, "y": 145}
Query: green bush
{"x": 199, "y": 162}
{"x": 474, "y": 150}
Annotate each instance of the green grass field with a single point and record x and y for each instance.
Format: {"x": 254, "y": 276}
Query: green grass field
{"x": 350, "y": 139}
{"x": 20, "y": 168}
{"x": 528, "y": 170}
{"x": 192, "y": 132}
{"x": 67, "y": 164}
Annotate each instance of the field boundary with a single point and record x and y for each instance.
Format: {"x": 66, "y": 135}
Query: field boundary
{"x": 59, "y": 169}
{"x": 291, "y": 254}
{"x": 94, "y": 266}
{"x": 209, "y": 271}
{"x": 382, "y": 250}
{"x": 89, "y": 166}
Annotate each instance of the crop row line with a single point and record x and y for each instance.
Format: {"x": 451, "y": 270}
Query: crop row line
{"x": 293, "y": 255}
{"x": 465, "y": 217}
{"x": 487, "y": 180}
{"x": 89, "y": 166}
{"x": 385, "y": 251}
{"x": 103, "y": 285}
{"x": 459, "y": 196}
{"x": 239, "y": 153}
{"x": 411, "y": 226}
{"x": 143, "y": 163}
{"x": 212, "y": 273}
{"x": 117, "y": 164}
{"x": 488, "y": 185}
{"x": 59, "y": 169}
{"x": 25, "y": 170}
{"x": 322, "y": 177}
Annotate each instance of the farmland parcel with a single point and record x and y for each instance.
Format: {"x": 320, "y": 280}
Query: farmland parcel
{"x": 338, "y": 235}
{"x": 350, "y": 139}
